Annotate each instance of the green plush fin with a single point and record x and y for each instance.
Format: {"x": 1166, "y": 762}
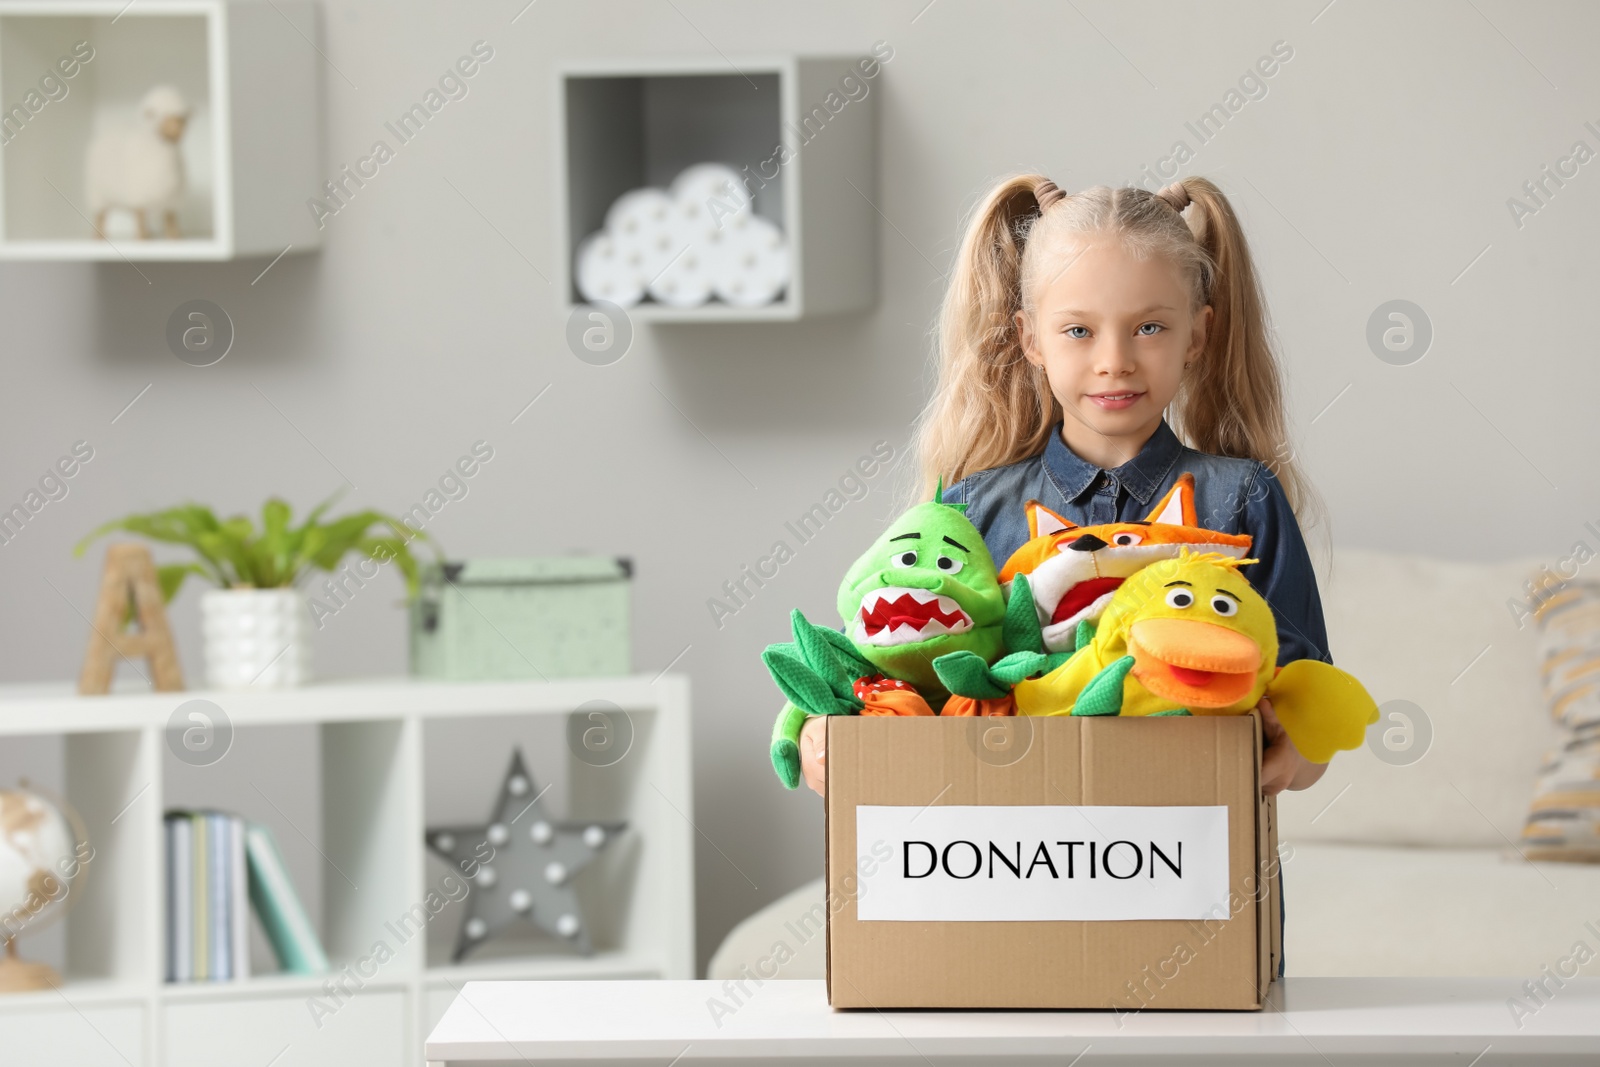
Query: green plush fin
{"x": 1103, "y": 694}
{"x": 841, "y": 645}
{"x": 786, "y": 744}
{"x": 1083, "y": 635}
{"x": 797, "y": 681}
{"x": 1020, "y": 666}
{"x": 1021, "y": 626}
{"x": 938, "y": 497}
{"x": 1174, "y": 711}
{"x": 966, "y": 674}
{"x": 819, "y": 648}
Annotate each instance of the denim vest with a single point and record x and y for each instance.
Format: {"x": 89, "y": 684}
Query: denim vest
{"x": 1231, "y": 496}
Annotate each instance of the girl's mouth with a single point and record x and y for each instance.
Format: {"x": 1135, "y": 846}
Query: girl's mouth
{"x": 1115, "y": 401}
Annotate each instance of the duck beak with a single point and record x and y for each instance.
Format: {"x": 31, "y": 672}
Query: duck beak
{"x": 1198, "y": 664}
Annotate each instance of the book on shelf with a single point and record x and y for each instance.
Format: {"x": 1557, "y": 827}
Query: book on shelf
{"x": 219, "y": 866}
{"x": 294, "y": 940}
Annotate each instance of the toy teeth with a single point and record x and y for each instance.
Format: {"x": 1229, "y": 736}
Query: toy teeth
{"x": 926, "y": 587}
{"x": 1075, "y": 570}
{"x": 895, "y": 615}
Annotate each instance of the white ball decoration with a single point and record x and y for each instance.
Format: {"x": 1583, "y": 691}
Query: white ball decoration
{"x": 445, "y": 842}
{"x": 521, "y": 900}
{"x": 607, "y": 271}
{"x": 476, "y": 928}
{"x": 541, "y": 832}
{"x": 498, "y": 834}
{"x": 756, "y": 263}
{"x": 567, "y": 925}
{"x": 705, "y": 182}
{"x": 637, "y": 213}
{"x": 594, "y": 836}
{"x": 517, "y": 786}
{"x": 555, "y": 873}
{"x": 486, "y": 877}
{"x": 685, "y": 282}
{"x": 682, "y": 246}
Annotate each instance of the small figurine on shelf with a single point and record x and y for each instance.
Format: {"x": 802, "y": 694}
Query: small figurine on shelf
{"x": 139, "y": 167}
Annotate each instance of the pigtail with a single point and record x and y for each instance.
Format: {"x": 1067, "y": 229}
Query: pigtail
{"x": 1232, "y": 401}
{"x": 990, "y": 405}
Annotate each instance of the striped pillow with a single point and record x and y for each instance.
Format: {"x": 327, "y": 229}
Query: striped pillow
{"x": 1564, "y": 819}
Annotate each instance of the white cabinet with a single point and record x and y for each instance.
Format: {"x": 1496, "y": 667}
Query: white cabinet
{"x": 90, "y": 1035}
{"x": 800, "y": 130}
{"x": 368, "y": 1028}
{"x": 348, "y": 775}
{"x": 249, "y": 72}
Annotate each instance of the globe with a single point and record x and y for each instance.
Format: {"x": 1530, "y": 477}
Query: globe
{"x": 40, "y": 862}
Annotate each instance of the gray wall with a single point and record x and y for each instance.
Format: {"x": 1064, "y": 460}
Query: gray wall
{"x": 1377, "y": 166}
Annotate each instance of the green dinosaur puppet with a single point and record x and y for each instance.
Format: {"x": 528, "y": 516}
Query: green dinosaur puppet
{"x": 926, "y": 587}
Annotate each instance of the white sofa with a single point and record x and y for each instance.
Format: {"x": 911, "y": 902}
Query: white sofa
{"x": 1405, "y": 866}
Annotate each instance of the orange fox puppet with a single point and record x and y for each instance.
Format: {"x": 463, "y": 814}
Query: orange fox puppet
{"x": 1073, "y": 570}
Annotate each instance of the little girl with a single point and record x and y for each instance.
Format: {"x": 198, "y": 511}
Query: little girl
{"x": 1071, "y": 325}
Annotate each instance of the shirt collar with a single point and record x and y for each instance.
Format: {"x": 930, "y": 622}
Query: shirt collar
{"x": 1141, "y": 475}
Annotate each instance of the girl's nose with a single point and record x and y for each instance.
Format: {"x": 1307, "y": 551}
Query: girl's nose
{"x": 1114, "y": 355}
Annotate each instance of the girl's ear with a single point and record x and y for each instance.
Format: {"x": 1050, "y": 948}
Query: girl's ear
{"x": 1025, "y": 338}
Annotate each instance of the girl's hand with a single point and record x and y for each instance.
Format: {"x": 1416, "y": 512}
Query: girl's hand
{"x": 1282, "y": 766}
{"x": 814, "y": 755}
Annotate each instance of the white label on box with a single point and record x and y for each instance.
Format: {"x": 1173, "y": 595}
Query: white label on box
{"x": 1041, "y": 863}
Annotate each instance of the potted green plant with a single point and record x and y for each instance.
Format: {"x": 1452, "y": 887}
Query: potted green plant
{"x": 255, "y": 624}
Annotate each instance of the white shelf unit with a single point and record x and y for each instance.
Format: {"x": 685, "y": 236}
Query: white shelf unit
{"x": 626, "y": 124}
{"x": 376, "y": 739}
{"x": 252, "y": 76}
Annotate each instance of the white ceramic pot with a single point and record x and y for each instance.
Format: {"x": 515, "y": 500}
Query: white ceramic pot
{"x": 255, "y": 638}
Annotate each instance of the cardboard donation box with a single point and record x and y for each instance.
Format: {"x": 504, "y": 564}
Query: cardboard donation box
{"x": 1049, "y": 862}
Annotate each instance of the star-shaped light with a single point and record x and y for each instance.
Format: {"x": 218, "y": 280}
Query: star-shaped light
{"x": 526, "y": 871}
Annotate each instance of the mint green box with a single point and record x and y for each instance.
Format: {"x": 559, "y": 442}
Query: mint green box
{"x": 549, "y": 617}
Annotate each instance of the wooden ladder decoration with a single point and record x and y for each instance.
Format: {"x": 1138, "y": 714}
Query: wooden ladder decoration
{"x": 129, "y": 571}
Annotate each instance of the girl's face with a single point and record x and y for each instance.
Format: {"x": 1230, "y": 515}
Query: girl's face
{"x": 1112, "y": 333}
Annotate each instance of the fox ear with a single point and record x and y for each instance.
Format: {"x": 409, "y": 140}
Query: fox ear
{"x": 1042, "y": 521}
{"x": 1177, "y": 507}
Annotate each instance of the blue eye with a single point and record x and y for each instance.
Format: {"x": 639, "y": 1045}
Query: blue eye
{"x": 1157, "y": 325}
{"x": 1077, "y": 336}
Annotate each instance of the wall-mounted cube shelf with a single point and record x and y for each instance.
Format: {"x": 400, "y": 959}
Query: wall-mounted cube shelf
{"x": 370, "y": 762}
{"x": 629, "y": 124}
{"x": 251, "y": 75}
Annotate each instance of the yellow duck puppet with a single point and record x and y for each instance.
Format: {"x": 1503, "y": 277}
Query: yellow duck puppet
{"x": 1191, "y": 636}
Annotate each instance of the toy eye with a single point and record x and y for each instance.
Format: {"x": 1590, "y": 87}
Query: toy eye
{"x": 1126, "y": 539}
{"x": 904, "y": 559}
{"x": 949, "y": 566}
{"x": 1224, "y": 605}
{"x": 1179, "y": 598}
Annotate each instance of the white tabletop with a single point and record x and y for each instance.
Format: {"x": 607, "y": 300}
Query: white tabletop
{"x": 1307, "y": 1020}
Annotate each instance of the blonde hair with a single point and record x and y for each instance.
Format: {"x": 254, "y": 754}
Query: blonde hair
{"x": 992, "y": 407}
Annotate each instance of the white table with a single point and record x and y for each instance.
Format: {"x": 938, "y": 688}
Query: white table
{"x": 1309, "y": 1020}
